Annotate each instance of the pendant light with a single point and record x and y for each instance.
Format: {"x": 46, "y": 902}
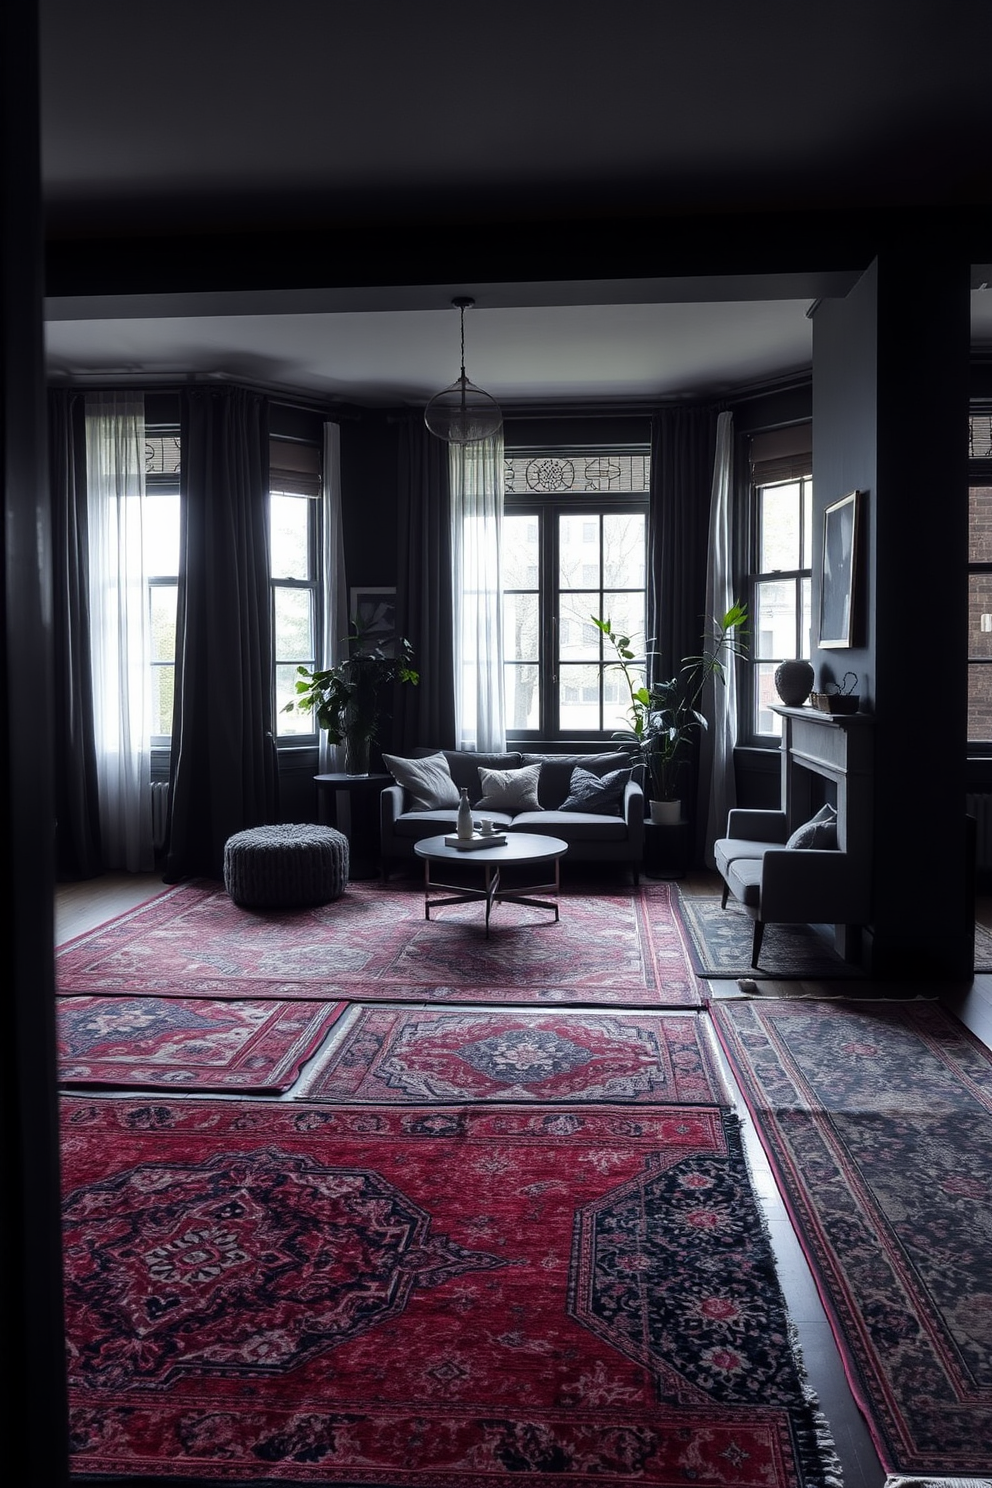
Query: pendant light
{"x": 463, "y": 413}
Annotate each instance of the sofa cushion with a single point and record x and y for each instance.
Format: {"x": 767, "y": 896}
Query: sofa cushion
{"x": 556, "y": 772}
{"x": 599, "y": 793}
{"x": 726, "y": 850}
{"x": 572, "y": 826}
{"x": 428, "y": 780}
{"x": 509, "y": 790}
{"x": 744, "y": 879}
{"x": 820, "y": 831}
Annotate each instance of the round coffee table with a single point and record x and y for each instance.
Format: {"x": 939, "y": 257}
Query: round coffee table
{"x": 519, "y": 847}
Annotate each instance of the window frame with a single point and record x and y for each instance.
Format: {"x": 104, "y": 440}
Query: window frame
{"x": 162, "y": 483}
{"x": 314, "y": 585}
{"x": 547, "y": 508}
{"x": 764, "y": 476}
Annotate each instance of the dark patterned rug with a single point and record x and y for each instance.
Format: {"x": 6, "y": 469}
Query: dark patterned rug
{"x": 401, "y": 1056}
{"x": 877, "y": 1119}
{"x": 161, "y": 1043}
{"x": 720, "y": 945}
{"x": 414, "y": 1296}
{"x": 620, "y": 947}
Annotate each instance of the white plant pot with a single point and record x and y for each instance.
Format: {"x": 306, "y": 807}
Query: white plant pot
{"x": 666, "y": 813}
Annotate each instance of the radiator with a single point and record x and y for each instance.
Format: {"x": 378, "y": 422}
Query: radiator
{"x": 980, "y": 807}
{"x": 160, "y": 813}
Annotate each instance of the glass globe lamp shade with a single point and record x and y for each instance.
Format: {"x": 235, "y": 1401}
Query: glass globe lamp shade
{"x": 463, "y": 413}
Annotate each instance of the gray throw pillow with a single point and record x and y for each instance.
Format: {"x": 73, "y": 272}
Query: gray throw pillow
{"x": 599, "y": 793}
{"x": 509, "y": 790}
{"x": 820, "y": 831}
{"x": 428, "y": 780}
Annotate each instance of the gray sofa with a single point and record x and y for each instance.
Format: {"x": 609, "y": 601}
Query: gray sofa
{"x": 591, "y": 837}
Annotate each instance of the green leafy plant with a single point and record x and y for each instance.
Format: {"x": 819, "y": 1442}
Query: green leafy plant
{"x": 664, "y": 717}
{"x": 344, "y": 699}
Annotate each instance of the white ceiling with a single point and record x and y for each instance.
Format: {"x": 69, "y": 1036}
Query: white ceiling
{"x": 201, "y": 117}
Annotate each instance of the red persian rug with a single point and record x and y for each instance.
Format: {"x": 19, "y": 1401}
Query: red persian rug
{"x": 877, "y": 1119}
{"x": 398, "y": 1056}
{"x": 420, "y": 1296}
{"x": 197, "y": 1044}
{"x": 374, "y": 944}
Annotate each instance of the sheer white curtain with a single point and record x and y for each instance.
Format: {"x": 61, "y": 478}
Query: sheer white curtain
{"x": 120, "y": 637}
{"x": 476, "y": 522}
{"x": 334, "y": 639}
{"x": 719, "y": 598}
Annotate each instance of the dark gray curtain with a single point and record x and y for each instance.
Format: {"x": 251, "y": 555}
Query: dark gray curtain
{"x": 425, "y": 715}
{"x": 223, "y": 753}
{"x": 77, "y": 832}
{"x": 683, "y": 444}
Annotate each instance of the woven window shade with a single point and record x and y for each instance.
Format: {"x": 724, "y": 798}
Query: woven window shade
{"x": 782, "y": 454}
{"x": 294, "y": 468}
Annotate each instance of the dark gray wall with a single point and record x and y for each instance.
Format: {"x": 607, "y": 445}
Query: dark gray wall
{"x": 890, "y": 404}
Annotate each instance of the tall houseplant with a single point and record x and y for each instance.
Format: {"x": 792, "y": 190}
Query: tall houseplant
{"x": 344, "y": 699}
{"x": 664, "y": 717}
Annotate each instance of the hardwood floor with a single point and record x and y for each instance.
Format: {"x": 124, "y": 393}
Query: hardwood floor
{"x": 83, "y": 906}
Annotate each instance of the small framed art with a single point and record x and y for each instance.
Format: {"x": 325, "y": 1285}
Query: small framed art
{"x": 373, "y": 616}
{"x": 838, "y": 571}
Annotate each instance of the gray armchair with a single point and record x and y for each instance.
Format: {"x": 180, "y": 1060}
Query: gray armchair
{"x": 777, "y": 883}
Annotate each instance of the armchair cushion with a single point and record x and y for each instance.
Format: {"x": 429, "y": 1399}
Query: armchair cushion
{"x": 819, "y": 832}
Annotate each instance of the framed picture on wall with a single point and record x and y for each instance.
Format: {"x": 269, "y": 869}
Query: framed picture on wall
{"x": 838, "y": 571}
{"x": 373, "y": 616}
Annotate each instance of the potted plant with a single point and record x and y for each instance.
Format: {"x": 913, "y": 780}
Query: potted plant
{"x": 344, "y": 699}
{"x": 665, "y": 716}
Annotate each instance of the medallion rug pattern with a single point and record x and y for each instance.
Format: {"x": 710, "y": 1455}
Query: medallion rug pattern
{"x": 374, "y": 943}
{"x": 408, "y": 1296}
{"x": 197, "y": 1044}
{"x": 877, "y": 1119}
{"x": 397, "y": 1055}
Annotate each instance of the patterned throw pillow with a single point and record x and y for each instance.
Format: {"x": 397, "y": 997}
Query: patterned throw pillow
{"x": 599, "y": 793}
{"x": 509, "y": 790}
{"x": 428, "y": 781}
{"x": 820, "y": 831}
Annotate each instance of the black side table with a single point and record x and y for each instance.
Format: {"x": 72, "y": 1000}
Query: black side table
{"x": 359, "y": 818}
{"x": 666, "y": 849}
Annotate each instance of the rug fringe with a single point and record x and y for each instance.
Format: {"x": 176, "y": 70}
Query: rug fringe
{"x": 904, "y": 1482}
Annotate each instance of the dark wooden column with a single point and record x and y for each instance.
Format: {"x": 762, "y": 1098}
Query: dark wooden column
{"x": 32, "y": 1403}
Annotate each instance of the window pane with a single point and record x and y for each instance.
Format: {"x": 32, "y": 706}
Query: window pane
{"x": 163, "y": 599}
{"x": 294, "y": 632}
{"x": 578, "y": 697}
{"x": 578, "y": 552}
{"x": 290, "y": 723}
{"x": 780, "y": 516}
{"x": 774, "y": 623}
{"x": 160, "y": 534}
{"x": 980, "y": 616}
{"x": 522, "y": 697}
{"x": 807, "y": 523}
{"x": 520, "y": 555}
{"x": 616, "y": 696}
{"x": 521, "y": 632}
{"x": 767, "y": 721}
{"x": 163, "y": 687}
{"x": 289, "y": 528}
{"x": 578, "y": 637}
{"x": 806, "y": 624}
{"x": 626, "y": 611}
{"x": 623, "y": 550}
{"x": 980, "y": 524}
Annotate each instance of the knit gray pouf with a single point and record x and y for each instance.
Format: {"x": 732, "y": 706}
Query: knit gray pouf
{"x": 284, "y": 867}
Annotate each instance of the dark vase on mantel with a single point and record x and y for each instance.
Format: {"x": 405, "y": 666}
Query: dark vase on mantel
{"x": 794, "y": 682}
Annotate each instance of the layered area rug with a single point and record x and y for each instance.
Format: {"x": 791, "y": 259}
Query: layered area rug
{"x": 400, "y": 1056}
{"x": 418, "y": 1296}
{"x": 197, "y": 1044}
{"x": 877, "y": 1119}
{"x": 622, "y": 947}
{"x": 720, "y": 945}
